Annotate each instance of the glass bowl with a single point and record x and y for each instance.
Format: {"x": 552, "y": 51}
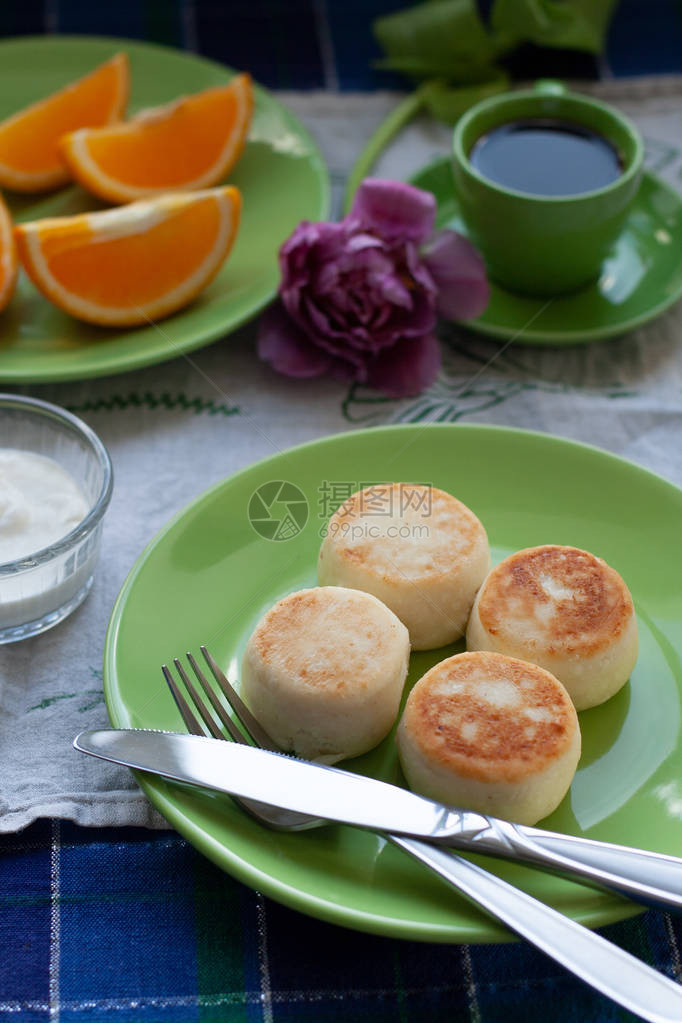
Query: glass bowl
{"x": 40, "y": 589}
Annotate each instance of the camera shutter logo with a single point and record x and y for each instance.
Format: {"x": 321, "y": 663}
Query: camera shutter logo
{"x": 278, "y": 510}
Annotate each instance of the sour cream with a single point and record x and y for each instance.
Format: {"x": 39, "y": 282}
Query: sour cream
{"x": 40, "y": 502}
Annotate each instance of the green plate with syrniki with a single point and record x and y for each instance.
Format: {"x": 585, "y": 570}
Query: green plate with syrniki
{"x": 209, "y": 576}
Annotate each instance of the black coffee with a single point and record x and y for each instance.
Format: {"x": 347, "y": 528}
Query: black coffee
{"x": 546, "y": 157}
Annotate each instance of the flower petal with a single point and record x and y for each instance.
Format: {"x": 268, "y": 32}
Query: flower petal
{"x": 326, "y": 237}
{"x": 459, "y": 273}
{"x": 357, "y": 242}
{"x": 394, "y": 210}
{"x": 407, "y": 367}
{"x": 287, "y": 348}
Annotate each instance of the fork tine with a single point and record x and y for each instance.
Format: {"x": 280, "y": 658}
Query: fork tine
{"x": 273, "y": 817}
{"x": 215, "y": 703}
{"x": 196, "y": 700}
{"x": 191, "y": 723}
{"x": 255, "y": 730}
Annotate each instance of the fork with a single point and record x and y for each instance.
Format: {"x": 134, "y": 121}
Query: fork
{"x": 651, "y": 878}
{"x": 606, "y": 967}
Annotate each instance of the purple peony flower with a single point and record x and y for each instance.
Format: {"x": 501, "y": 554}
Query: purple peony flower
{"x": 360, "y": 298}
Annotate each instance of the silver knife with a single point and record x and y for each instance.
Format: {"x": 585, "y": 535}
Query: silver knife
{"x": 338, "y": 795}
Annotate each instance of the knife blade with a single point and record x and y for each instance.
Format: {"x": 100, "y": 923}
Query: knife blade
{"x": 267, "y": 777}
{"x": 342, "y": 796}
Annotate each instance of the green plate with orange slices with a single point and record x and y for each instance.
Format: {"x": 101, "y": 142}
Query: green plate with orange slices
{"x": 280, "y": 174}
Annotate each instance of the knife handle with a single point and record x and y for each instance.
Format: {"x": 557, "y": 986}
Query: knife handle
{"x": 606, "y": 967}
{"x": 646, "y": 877}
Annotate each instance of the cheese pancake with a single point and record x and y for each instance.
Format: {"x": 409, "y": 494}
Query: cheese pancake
{"x": 418, "y": 549}
{"x": 492, "y": 734}
{"x": 564, "y": 609}
{"x": 324, "y": 672}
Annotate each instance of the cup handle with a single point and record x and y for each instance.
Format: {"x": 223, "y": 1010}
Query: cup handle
{"x": 550, "y": 87}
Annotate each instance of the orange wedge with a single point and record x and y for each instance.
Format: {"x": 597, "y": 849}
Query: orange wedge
{"x": 190, "y": 143}
{"x": 8, "y": 257}
{"x": 30, "y": 160}
{"x": 133, "y": 264}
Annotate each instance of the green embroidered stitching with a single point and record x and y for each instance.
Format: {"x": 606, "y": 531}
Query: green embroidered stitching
{"x": 96, "y": 698}
{"x": 166, "y": 401}
{"x": 450, "y": 398}
{"x": 97, "y": 695}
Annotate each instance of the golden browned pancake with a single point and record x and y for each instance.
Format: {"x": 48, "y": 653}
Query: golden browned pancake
{"x": 564, "y": 609}
{"x": 418, "y": 549}
{"x": 324, "y": 671}
{"x": 490, "y": 733}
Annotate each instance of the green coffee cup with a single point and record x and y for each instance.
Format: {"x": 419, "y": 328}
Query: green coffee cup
{"x": 536, "y": 244}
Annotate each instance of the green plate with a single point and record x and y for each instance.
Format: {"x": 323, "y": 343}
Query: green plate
{"x": 641, "y": 278}
{"x": 208, "y": 577}
{"x": 281, "y": 175}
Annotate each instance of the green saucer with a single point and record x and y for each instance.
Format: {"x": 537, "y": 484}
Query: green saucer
{"x": 641, "y": 279}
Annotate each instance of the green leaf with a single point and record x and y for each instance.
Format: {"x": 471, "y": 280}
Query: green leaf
{"x": 439, "y": 38}
{"x": 464, "y": 71}
{"x": 578, "y": 25}
{"x": 448, "y": 103}
{"x": 447, "y": 39}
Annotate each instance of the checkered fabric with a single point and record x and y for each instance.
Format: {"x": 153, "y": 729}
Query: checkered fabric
{"x": 136, "y": 926}
{"x": 328, "y": 44}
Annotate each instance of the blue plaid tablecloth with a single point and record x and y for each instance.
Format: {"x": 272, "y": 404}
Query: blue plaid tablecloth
{"x": 328, "y": 44}
{"x": 133, "y": 926}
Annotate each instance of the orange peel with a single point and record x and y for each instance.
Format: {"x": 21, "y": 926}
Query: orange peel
{"x": 190, "y": 143}
{"x": 133, "y": 264}
{"x": 30, "y": 156}
{"x": 8, "y": 257}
